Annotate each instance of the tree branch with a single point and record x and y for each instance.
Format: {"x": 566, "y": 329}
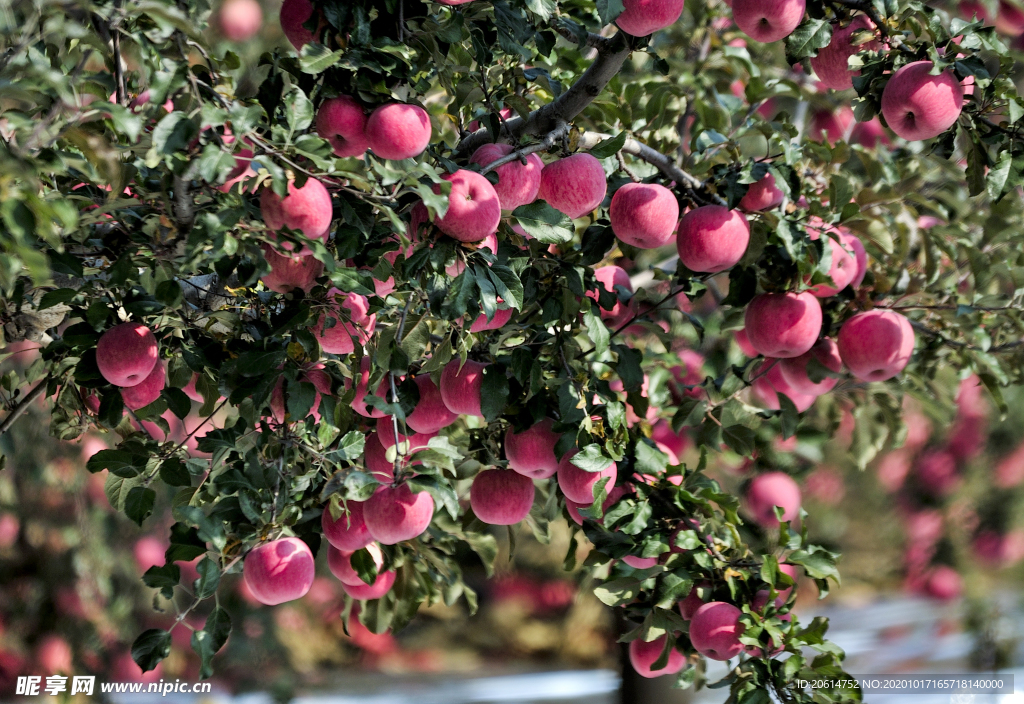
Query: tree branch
{"x": 23, "y": 405}
{"x": 549, "y": 140}
{"x": 611, "y": 54}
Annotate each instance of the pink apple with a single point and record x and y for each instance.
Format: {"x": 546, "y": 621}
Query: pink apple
{"x": 349, "y": 532}
{"x": 294, "y": 14}
{"x": 1009, "y": 19}
{"x": 643, "y": 17}
{"x": 944, "y": 583}
{"x": 308, "y": 210}
{"x": 279, "y": 571}
{"x": 766, "y": 491}
{"x": 643, "y": 655}
{"x": 712, "y": 238}
{"x": 610, "y": 278}
{"x": 762, "y": 195}
{"x": 143, "y": 394}
{"x": 398, "y": 131}
{"x": 354, "y": 326}
{"x": 149, "y": 552}
{"x": 362, "y": 381}
{"x": 501, "y": 497}
{"x": 794, "y": 369}
{"x": 240, "y": 20}
{"x": 860, "y": 257}
{"x": 573, "y": 508}
{"x": 740, "y": 336}
{"x": 126, "y": 354}
{"x": 937, "y": 473}
{"x": 783, "y": 324}
{"x": 500, "y": 319}
{"x": 290, "y": 271}
{"x": 767, "y": 387}
{"x": 832, "y": 63}
{"x": 518, "y": 183}
{"x": 342, "y": 122}
{"x": 53, "y": 655}
{"x": 473, "y": 208}
{"x": 578, "y": 484}
{"x": 876, "y": 345}
{"x": 340, "y": 564}
{"x": 532, "y": 452}
{"x": 870, "y": 134}
{"x": 917, "y": 105}
{"x": 430, "y": 414}
{"x": 670, "y": 442}
{"x": 688, "y": 606}
{"x": 367, "y": 592}
{"x": 644, "y": 215}
{"x": 842, "y": 270}
{"x": 409, "y": 443}
{"x": 375, "y": 459}
{"x": 575, "y": 185}
{"x": 242, "y": 170}
{"x": 768, "y": 20}
{"x": 395, "y": 514}
{"x": 715, "y": 628}
{"x": 460, "y": 387}
{"x": 830, "y": 126}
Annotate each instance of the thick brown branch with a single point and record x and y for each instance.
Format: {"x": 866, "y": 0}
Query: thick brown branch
{"x": 23, "y": 405}
{"x": 611, "y": 54}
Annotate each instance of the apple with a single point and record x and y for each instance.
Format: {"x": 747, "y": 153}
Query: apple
{"x": 768, "y": 385}
{"x": 842, "y": 270}
{"x": 610, "y": 278}
{"x": 768, "y": 20}
{"x": 766, "y": 491}
{"x": 356, "y": 325}
{"x": 643, "y": 17}
{"x": 1009, "y": 19}
{"x": 460, "y": 387}
{"x": 876, "y": 345}
{"x": 501, "y": 497}
{"x": 148, "y": 552}
{"x": 573, "y": 508}
{"x": 532, "y": 452}
{"x": 689, "y": 373}
{"x": 783, "y": 325}
{"x": 362, "y": 381}
{"x": 340, "y": 564}
{"x": 143, "y": 394}
{"x": 279, "y": 571}
{"x": 294, "y": 14}
{"x": 670, "y": 442}
{"x": 1010, "y": 469}
{"x": 53, "y": 655}
{"x": 644, "y": 215}
{"x": 518, "y": 183}
{"x": 575, "y": 185}
{"x": 487, "y": 244}
{"x": 240, "y": 20}
{"x": 830, "y": 127}
{"x": 394, "y": 514}
{"x": 870, "y": 134}
{"x": 242, "y": 170}
{"x": 500, "y": 319}
{"x": 794, "y": 369}
{"x": 743, "y": 342}
{"x": 944, "y": 583}
{"x": 375, "y": 459}
{"x": 366, "y": 592}
{"x": 860, "y": 256}
{"x": 349, "y": 532}
{"x": 917, "y": 105}
{"x": 505, "y": 113}
{"x": 936, "y": 472}
{"x": 693, "y": 601}
{"x": 578, "y": 484}
{"x": 832, "y": 62}
{"x": 715, "y": 627}
{"x": 398, "y": 131}
{"x": 290, "y": 271}
{"x": 712, "y": 238}
{"x": 762, "y": 195}
{"x": 430, "y": 414}
{"x": 643, "y": 655}
{"x": 342, "y": 122}
{"x": 410, "y": 443}
{"x": 308, "y": 210}
{"x": 474, "y": 212}
{"x": 126, "y": 354}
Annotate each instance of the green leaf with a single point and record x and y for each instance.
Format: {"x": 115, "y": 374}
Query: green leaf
{"x": 608, "y": 147}
{"x": 739, "y": 438}
{"x": 596, "y": 330}
{"x": 118, "y": 462}
{"x": 317, "y": 58}
{"x": 298, "y": 111}
{"x": 138, "y": 504}
{"x": 544, "y": 223}
{"x": 999, "y": 175}
{"x": 163, "y": 577}
{"x": 609, "y": 10}
{"x": 494, "y": 391}
{"x": 618, "y": 591}
{"x": 207, "y": 642}
{"x": 591, "y": 459}
{"x": 150, "y": 648}
{"x": 56, "y": 297}
{"x": 364, "y": 565}
{"x": 209, "y": 579}
{"x": 507, "y": 285}
{"x": 811, "y": 35}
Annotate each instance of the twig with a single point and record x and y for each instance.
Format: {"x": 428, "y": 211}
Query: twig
{"x": 23, "y": 405}
{"x": 549, "y": 140}
{"x": 625, "y": 169}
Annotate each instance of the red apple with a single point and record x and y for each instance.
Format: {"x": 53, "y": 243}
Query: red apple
{"x": 843, "y": 268}
{"x": 794, "y": 369}
{"x": 917, "y": 105}
{"x": 395, "y": 514}
{"x": 126, "y": 354}
{"x": 768, "y": 20}
{"x": 473, "y": 208}
{"x": 500, "y": 319}
{"x": 279, "y": 571}
{"x": 870, "y": 134}
{"x": 860, "y": 257}
{"x": 430, "y": 414}
{"x": 831, "y": 126}
{"x": 832, "y": 63}
{"x": 766, "y": 491}
{"x": 715, "y": 628}
{"x": 532, "y": 452}
{"x": 643, "y": 655}
{"x": 876, "y": 345}
{"x": 366, "y": 592}
{"x": 340, "y": 564}
{"x": 575, "y": 185}
{"x": 783, "y": 324}
{"x": 762, "y": 195}
{"x": 376, "y": 461}
{"x": 342, "y": 122}
{"x": 644, "y": 215}
{"x": 354, "y": 326}
{"x": 308, "y": 210}
{"x": 767, "y": 387}
{"x": 610, "y": 278}
{"x": 349, "y": 532}
{"x": 290, "y": 271}
{"x": 712, "y": 238}
{"x": 578, "y": 484}
{"x": 518, "y": 183}
{"x": 362, "y": 381}
{"x": 143, "y": 394}
{"x": 740, "y": 336}
{"x": 294, "y": 14}
{"x": 240, "y": 20}
{"x": 643, "y": 17}
{"x": 398, "y": 131}
{"x": 460, "y": 387}
{"x": 501, "y": 497}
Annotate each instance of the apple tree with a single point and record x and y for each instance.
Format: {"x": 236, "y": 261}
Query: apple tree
{"x": 421, "y": 269}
